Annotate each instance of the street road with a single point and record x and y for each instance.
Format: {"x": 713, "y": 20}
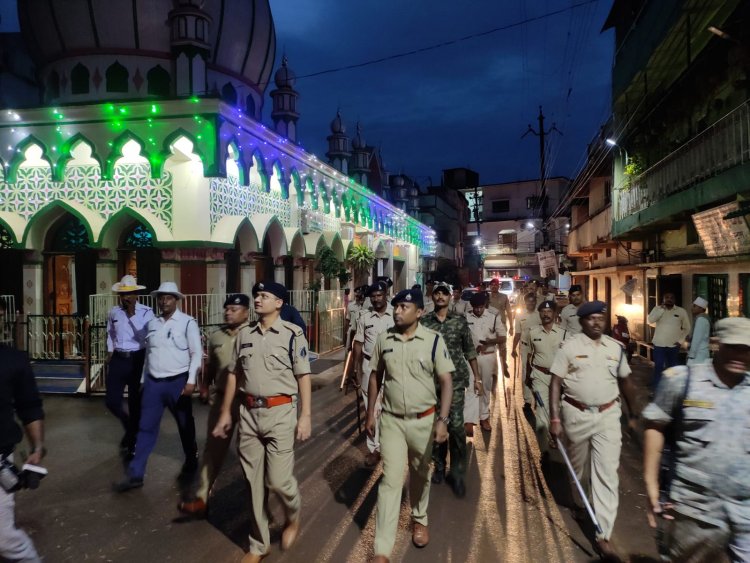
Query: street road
{"x": 512, "y": 511}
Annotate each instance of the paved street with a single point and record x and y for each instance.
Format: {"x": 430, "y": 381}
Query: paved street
{"x": 512, "y": 512}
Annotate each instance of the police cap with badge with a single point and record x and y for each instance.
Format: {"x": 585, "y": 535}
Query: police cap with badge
{"x": 237, "y": 299}
{"x": 273, "y": 288}
{"x": 592, "y": 308}
{"x": 548, "y": 305}
{"x": 478, "y": 299}
{"x": 409, "y": 296}
{"x": 377, "y": 286}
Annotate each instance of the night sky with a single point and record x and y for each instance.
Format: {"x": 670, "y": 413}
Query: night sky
{"x": 465, "y": 104}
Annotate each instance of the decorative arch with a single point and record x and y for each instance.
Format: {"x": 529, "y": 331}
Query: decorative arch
{"x": 79, "y": 79}
{"x": 257, "y": 173}
{"x": 274, "y": 239}
{"x": 76, "y": 151}
{"x": 116, "y": 77}
{"x": 113, "y": 229}
{"x": 180, "y": 146}
{"x": 297, "y": 247}
{"x": 277, "y": 181}
{"x": 158, "y": 82}
{"x": 39, "y": 224}
{"x": 20, "y": 157}
{"x": 297, "y": 196}
{"x": 338, "y": 247}
{"x": 229, "y": 94}
{"x": 116, "y": 154}
{"x": 310, "y": 200}
{"x": 6, "y": 226}
{"x": 234, "y": 161}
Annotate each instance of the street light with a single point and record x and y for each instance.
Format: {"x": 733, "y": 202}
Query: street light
{"x": 613, "y": 143}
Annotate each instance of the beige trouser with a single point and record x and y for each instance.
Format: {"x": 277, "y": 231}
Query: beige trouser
{"x": 471, "y": 402}
{"x": 15, "y": 544}
{"x": 594, "y": 440}
{"x": 488, "y": 370}
{"x": 402, "y": 440}
{"x": 266, "y": 450}
{"x": 373, "y": 444}
{"x": 540, "y": 384}
{"x": 527, "y": 395}
{"x": 215, "y": 451}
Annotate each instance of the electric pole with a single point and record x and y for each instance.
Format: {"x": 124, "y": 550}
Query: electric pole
{"x": 541, "y": 133}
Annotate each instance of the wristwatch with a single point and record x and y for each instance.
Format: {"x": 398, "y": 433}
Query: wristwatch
{"x": 444, "y": 419}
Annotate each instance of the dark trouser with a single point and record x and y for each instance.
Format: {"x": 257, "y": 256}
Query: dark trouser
{"x": 664, "y": 357}
{"x": 159, "y": 394}
{"x": 126, "y": 372}
{"x": 456, "y": 443}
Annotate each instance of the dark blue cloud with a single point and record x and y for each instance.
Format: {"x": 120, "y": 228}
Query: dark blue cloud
{"x": 464, "y": 104}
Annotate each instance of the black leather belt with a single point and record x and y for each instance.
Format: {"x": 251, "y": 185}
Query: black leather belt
{"x": 368, "y": 358}
{"x": 127, "y": 353}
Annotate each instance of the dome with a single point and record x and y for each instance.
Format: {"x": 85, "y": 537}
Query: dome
{"x": 398, "y": 181}
{"x": 359, "y": 141}
{"x": 285, "y": 77}
{"x": 239, "y": 36}
{"x": 337, "y": 125}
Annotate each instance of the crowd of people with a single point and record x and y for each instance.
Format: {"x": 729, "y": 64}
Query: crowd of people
{"x": 426, "y": 364}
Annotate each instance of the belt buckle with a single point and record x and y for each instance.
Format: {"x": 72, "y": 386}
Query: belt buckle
{"x": 260, "y": 402}
{"x": 591, "y": 408}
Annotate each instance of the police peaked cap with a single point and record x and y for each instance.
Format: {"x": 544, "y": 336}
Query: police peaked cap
{"x": 546, "y": 305}
{"x": 575, "y": 287}
{"x": 478, "y": 299}
{"x": 377, "y": 286}
{"x": 386, "y": 279}
{"x": 237, "y": 299}
{"x": 270, "y": 287}
{"x": 409, "y": 296}
{"x": 592, "y": 308}
{"x": 441, "y": 286}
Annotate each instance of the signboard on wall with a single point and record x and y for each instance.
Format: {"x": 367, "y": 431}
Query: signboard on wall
{"x": 547, "y": 263}
{"x": 722, "y": 237}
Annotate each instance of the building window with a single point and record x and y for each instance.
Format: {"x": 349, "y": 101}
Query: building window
{"x": 6, "y": 239}
{"x": 117, "y": 78}
{"x": 79, "y": 79}
{"x": 501, "y": 206}
{"x": 158, "y": 81}
{"x": 229, "y": 94}
{"x": 536, "y": 202}
{"x": 609, "y": 253}
{"x": 70, "y": 236}
{"x": 139, "y": 237}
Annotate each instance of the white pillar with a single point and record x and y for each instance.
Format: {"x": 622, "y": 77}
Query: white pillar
{"x": 33, "y": 290}
{"x": 247, "y": 277}
{"x": 170, "y": 271}
{"x": 279, "y": 274}
{"x": 106, "y": 276}
{"x": 216, "y": 277}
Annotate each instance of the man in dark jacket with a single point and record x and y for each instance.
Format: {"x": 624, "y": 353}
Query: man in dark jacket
{"x": 18, "y": 396}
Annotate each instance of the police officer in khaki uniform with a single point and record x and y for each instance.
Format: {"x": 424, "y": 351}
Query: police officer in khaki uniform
{"x": 588, "y": 374}
{"x": 501, "y": 302}
{"x": 270, "y": 371}
{"x": 369, "y": 325}
{"x": 408, "y": 360}
{"x": 544, "y": 343}
{"x": 487, "y": 332}
{"x": 524, "y": 321}
{"x": 569, "y": 315}
{"x": 220, "y": 352}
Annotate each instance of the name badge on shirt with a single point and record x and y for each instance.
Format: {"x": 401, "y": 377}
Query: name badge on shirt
{"x": 387, "y": 350}
{"x": 697, "y": 403}
{"x": 584, "y": 356}
{"x": 246, "y": 345}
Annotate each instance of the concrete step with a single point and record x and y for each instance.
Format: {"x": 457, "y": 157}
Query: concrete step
{"x": 58, "y": 377}
{"x": 59, "y": 385}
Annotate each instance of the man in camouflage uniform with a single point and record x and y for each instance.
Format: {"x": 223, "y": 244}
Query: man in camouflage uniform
{"x": 710, "y": 495}
{"x": 455, "y": 331}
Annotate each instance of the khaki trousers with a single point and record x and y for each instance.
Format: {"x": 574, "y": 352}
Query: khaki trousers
{"x": 488, "y": 370}
{"x": 215, "y": 450}
{"x": 471, "y": 402}
{"x": 266, "y": 450}
{"x": 594, "y": 443}
{"x": 528, "y": 397}
{"x": 373, "y": 444}
{"x": 541, "y": 386}
{"x": 403, "y": 440}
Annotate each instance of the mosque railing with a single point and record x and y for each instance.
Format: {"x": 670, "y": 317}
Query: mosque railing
{"x": 8, "y": 320}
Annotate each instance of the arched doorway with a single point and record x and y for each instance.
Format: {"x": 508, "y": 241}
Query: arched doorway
{"x": 274, "y": 254}
{"x": 137, "y": 256}
{"x": 11, "y": 282}
{"x": 69, "y": 268}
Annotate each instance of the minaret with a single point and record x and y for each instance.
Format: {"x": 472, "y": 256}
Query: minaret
{"x": 189, "y": 41}
{"x": 284, "y": 113}
{"x": 360, "y": 161}
{"x": 400, "y": 193}
{"x": 412, "y": 206}
{"x": 338, "y": 145}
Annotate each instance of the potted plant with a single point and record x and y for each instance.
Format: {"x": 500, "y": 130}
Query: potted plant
{"x": 360, "y": 259}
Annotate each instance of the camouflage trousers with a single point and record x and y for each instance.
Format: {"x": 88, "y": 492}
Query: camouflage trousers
{"x": 456, "y": 443}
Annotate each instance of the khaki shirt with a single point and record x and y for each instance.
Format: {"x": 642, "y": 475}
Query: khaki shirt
{"x": 672, "y": 325}
{"x": 570, "y": 322}
{"x": 369, "y": 325}
{"x": 410, "y": 374}
{"x": 486, "y": 327}
{"x": 500, "y": 302}
{"x": 459, "y": 307}
{"x": 589, "y": 369}
{"x": 523, "y": 322}
{"x": 355, "y": 309}
{"x": 220, "y": 353}
{"x": 543, "y": 346}
{"x": 269, "y": 363}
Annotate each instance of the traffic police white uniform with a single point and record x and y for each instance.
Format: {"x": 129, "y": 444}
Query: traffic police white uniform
{"x": 486, "y": 327}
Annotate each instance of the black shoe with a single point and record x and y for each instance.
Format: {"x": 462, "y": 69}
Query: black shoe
{"x": 458, "y": 485}
{"x": 437, "y": 476}
{"x": 127, "y": 484}
{"x": 127, "y": 455}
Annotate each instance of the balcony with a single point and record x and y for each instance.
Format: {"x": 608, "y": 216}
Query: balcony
{"x": 592, "y": 234}
{"x": 711, "y": 167}
{"x": 515, "y": 248}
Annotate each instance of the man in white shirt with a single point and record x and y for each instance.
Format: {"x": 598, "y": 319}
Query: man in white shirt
{"x": 672, "y": 326}
{"x": 173, "y": 357}
{"x": 569, "y": 320}
{"x": 699, "y": 353}
{"x": 126, "y": 350}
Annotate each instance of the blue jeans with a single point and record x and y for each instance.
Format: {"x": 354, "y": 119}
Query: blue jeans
{"x": 159, "y": 394}
{"x": 664, "y": 357}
